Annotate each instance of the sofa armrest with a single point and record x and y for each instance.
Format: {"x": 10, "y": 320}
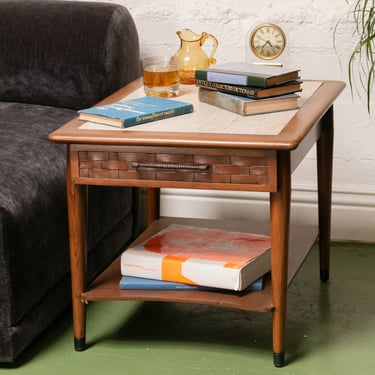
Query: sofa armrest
{"x": 65, "y": 53}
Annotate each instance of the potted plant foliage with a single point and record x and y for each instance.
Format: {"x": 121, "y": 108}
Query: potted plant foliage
{"x": 361, "y": 65}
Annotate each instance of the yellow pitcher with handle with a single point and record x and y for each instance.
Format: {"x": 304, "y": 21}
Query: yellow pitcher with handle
{"x": 191, "y": 55}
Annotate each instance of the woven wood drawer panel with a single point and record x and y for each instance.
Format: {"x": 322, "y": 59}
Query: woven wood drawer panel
{"x": 186, "y": 165}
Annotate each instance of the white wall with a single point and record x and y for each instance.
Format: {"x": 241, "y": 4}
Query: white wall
{"x": 310, "y": 26}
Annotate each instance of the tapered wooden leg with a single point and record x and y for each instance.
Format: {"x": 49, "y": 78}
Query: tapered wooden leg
{"x": 280, "y": 219}
{"x": 77, "y": 213}
{"x": 324, "y": 166}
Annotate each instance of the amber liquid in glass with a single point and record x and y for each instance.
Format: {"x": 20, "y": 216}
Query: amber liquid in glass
{"x": 161, "y": 80}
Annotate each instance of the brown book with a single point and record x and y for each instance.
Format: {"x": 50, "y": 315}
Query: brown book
{"x": 246, "y": 106}
{"x": 252, "y": 92}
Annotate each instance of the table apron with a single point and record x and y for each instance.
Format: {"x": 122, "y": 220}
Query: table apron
{"x": 174, "y": 167}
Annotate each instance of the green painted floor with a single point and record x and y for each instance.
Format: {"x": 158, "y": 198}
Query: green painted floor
{"x": 330, "y": 330}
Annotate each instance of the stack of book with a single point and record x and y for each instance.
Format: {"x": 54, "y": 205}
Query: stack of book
{"x": 182, "y": 257}
{"x": 249, "y": 89}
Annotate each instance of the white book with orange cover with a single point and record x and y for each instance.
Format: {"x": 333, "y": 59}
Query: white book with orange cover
{"x": 200, "y": 256}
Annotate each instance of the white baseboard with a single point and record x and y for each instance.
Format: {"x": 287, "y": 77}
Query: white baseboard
{"x": 353, "y": 213}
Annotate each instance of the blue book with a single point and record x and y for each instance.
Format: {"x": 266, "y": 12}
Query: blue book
{"x": 133, "y": 112}
{"x": 132, "y": 282}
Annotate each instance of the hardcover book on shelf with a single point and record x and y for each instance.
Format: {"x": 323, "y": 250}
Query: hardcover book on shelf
{"x": 238, "y": 73}
{"x": 246, "y": 106}
{"x": 251, "y": 91}
{"x": 133, "y": 112}
{"x": 200, "y": 256}
{"x": 141, "y": 283}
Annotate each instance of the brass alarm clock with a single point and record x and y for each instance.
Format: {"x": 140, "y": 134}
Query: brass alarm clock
{"x": 267, "y": 41}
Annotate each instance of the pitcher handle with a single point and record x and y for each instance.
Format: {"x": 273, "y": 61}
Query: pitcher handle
{"x": 211, "y": 59}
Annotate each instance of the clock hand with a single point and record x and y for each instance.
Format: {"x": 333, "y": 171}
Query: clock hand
{"x": 267, "y": 42}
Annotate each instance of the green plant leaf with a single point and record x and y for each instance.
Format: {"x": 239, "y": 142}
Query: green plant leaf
{"x": 361, "y": 65}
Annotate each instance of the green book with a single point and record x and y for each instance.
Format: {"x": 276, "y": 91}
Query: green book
{"x": 133, "y": 112}
{"x": 238, "y": 73}
{"x": 246, "y": 106}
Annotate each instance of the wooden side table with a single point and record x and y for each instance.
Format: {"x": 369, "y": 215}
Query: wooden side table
{"x": 257, "y": 153}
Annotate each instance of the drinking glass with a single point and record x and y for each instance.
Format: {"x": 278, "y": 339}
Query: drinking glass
{"x": 161, "y": 76}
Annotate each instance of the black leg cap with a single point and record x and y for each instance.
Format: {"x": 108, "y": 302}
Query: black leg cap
{"x": 80, "y": 344}
{"x": 324, "y": 275}
{"x": 278, "y": 359}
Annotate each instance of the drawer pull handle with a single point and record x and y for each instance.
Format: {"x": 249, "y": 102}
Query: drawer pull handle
{"x": 202, "y": 167}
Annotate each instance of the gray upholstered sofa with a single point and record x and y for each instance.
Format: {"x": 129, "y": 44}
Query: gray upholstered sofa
{"x": 55, "y": 57}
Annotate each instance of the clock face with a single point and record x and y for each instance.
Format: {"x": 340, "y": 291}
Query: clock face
{"x": 267, "y": 41}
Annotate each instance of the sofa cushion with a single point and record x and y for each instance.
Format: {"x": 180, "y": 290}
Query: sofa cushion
{"x": 31, "y": 193}
{"x": 72, "y": 55}
{"x": 33, "y": 214}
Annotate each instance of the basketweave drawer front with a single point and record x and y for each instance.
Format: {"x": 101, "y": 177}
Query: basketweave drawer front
{"x": 212, "y": 166}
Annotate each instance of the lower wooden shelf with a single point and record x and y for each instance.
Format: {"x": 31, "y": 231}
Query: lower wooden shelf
{"x": 106, "y": 286}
